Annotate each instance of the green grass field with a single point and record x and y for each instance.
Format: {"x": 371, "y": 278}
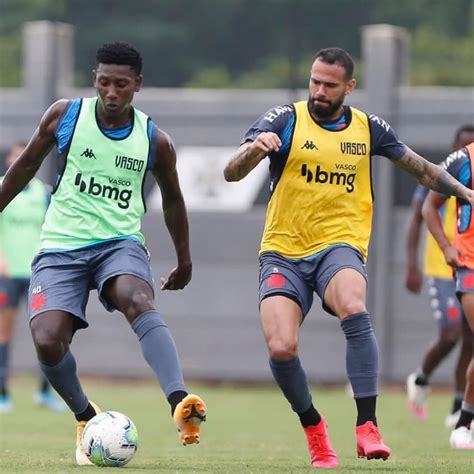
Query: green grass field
{"x": 249, "y": 430}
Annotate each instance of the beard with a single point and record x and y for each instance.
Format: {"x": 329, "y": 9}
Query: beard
{"x": 324, "y": 109}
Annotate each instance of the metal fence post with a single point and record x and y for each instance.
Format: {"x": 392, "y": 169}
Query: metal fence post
{"x": 385, "y": 60}
{"x": 47, "y": 67}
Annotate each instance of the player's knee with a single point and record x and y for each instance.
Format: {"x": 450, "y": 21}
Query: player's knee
{"x": 348, "y": 307}
{"x": 50, "y": 347}
{"x": 449, "y": 336}
{"x": 449, "y": 340}
{"x": 282, "y": 350}
{"x": 139, "y": 302}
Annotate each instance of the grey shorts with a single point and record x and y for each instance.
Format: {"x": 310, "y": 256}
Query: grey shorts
{"x": 464, "y": 281}
{"x": 12, "y": 291}
{"x": 62, "y": 280}
{"x": 299, "y": 279}
{"x": 444, "y": 302}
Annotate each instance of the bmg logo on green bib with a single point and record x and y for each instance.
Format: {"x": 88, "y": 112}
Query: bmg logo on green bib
{"x": 121, "y": 196}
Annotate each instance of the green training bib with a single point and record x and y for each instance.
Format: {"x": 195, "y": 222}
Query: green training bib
{"x": 20, "y": 227}
{"x": 99, "y": 195}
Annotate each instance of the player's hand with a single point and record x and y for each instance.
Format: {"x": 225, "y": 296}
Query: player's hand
{"x": 178, "y": 278}
{"x": 451, "y": 255}
{"x": 265, "y": 143}
{"x": 414, "y": 279}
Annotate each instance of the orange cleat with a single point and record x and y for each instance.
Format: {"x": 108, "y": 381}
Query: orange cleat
{"x": 370, "y": 444}
{"x": 319, "y": 446}
{"x": 81, "y": 457}
{"x": 189, "y": 414}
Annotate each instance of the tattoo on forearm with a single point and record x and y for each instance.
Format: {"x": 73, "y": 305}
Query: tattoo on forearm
{"x": 446, "y": 184}
{"x": 414, "y": 165}
{"x": 240, "y": 166}
{"x": 431, "y": 176}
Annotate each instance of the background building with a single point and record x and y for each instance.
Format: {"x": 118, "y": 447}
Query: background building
{"x": 215, "y": 319}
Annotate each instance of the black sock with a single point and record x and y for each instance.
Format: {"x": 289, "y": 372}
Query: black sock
{"x": 465, "y": 419}
{"x": 366, "y": 410}
{"x": 457, "y": 402}
{"x": 175, "y": 398}
{"x": 44, "y": 386}
{"x": 3, "y": 391}
{"x": 87, "y": 414}
{"x": 421, "y": 379}
{"x": 310, "y": 417}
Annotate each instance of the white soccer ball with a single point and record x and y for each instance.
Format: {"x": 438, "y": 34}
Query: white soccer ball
{"x": 110, "y": 439}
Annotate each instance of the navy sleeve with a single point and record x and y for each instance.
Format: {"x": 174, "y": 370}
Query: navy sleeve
{"x": 384, "y": 140}
{"x": 457, "y": 165}
{"x": 279, "y": 120}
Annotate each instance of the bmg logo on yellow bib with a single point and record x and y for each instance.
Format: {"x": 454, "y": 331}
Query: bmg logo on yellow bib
{"x": 338, "y": 178}
{"x": 122, "y": 196}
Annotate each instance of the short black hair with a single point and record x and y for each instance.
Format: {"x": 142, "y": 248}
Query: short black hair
{"x": 120, "y": 53}
{"x": 337, "y": 56}
{"x": 466, "y": 128}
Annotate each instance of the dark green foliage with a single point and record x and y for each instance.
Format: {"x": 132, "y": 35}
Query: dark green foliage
{"x": 245, "y": 43}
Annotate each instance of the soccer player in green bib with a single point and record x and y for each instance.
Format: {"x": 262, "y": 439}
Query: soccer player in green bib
{"x": 317, "y": 232}
{"x": 91, "y": 236}
{"x": 20, "y": 227}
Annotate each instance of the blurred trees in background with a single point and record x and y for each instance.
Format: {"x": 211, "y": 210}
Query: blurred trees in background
{"x": 246, "y": 43}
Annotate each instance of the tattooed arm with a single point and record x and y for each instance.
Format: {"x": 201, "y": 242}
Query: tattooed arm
{"x": 250, "y": 154}
{"x": 262, "y": 139}
{"x": 433, "y": 176}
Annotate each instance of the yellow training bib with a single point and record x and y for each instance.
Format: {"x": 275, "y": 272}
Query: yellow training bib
{"x": 434, "y": 264}
{"x": 324, "y": 195}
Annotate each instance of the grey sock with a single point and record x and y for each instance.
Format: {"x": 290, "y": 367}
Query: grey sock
{"x": 291, "y": 378}
{"x": 63, "y": 378}
{"x": 4, "y": 364}
{"x": 467, "y": 407}
{"x": 459, "y": 396}
{"x": 159, "y": 350}
{"x": 362, "y": 355}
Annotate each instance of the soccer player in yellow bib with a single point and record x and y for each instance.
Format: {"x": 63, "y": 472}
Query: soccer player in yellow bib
{"x": 316, "y": 235}
{"x": 445, "y": 305}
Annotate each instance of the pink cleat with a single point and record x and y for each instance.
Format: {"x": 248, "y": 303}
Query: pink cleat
{"x": 319, "y": 446}
{"x": 370, "y": 444}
